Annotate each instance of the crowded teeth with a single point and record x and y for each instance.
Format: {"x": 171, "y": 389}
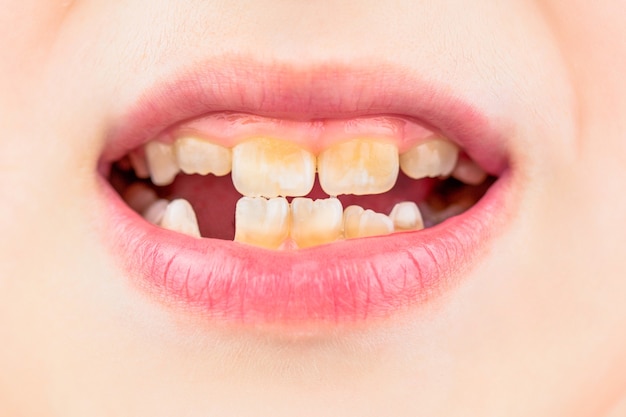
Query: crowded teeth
{"x": 262, "y": 222}
{"x": 162, "y": 162}
{"x": 315, "y": 222}
{"x": 358, "y": 167}
{"x": 406, "y": 216}
{"x": 358, "y": 222}
{"x": 180, "y": 217}
{"x": 197, "y": 156}
{"x": 468, "y": 172}
{"x": 270, "y": 168}
{"x": 435, "y": 158}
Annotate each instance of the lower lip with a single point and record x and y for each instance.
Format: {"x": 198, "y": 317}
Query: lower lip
{"x": 348, "y": 281}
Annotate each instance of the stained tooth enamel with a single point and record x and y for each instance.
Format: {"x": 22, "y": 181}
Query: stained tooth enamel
{"x": 154, "y": 213}
{"x": 358, "y": 222}
{"x": 359, "y": 167}
{"x": 435, "y": 158}
{"x": 315, "y": 222}
{"x": 180, "y": 217}
{"x": 468, "y": 172}
{"x": 162, "y": 162}
{"x": 269, "y": 168}
{"x": 406, "y": 216}
{"x": 262, "y": 222}
{"x": 197, "y": 156}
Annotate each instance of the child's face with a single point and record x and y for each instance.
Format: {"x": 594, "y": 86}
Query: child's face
{"x": 513, "y": 307}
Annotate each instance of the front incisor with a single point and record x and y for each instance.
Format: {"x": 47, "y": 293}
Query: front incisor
{"x": 359, "y": 166}
{"x": 262, "y": 222}
{"x": 315, "y": 222}
{"x": 269, "y": 168}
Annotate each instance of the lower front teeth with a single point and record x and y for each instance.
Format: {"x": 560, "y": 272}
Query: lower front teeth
{"x": 359, "y": 222}
{"x": 315, "y": 222}
{"x": 262, "y": 222}
{"x": 272, "y": 223}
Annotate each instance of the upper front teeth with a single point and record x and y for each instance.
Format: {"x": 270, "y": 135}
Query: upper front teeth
{"x": 270, "y": 168}
{"x": 265, "y": 167}
{"x": 358, "y": 167}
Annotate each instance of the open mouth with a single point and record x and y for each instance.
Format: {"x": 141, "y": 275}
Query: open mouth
{"x": 268, "y": 191}
{"x": 251, "y": 212}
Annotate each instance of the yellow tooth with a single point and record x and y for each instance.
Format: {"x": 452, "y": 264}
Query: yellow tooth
{"x": 315, "y": 222}
{"x": 358, "y": 222}
{"x": 180, "y": 217}
{"x": 270, "y": 168}
{"x": 262, "y": 222}
{"x": 197, "y": 156}
{"x": 406, "y": 216}
{"x": 435, "y": 158}
{"x": 359, "y": 166}
{"x": 161, "y": 162}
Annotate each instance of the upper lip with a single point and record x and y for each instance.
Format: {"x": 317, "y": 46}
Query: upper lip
{"x": 368, "y": 277}
{"x": 322, "y": 91}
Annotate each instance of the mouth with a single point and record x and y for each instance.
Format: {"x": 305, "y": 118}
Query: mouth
{"x": 264, "y": 194}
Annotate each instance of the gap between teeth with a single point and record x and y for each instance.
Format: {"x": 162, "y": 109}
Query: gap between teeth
{"x": 266, "y": 170}
{"x": 274, "y": 223}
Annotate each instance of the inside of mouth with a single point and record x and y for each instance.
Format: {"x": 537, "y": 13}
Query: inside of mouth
{"x": 223, "y": 202}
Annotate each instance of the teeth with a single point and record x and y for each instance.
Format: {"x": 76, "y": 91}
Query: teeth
{"x": 358, "y": 167}
{"x": 315, "y": 222}
{"x": 406, "y": 216}
{"x": 271, "y": 168}
{"x": 138, "y": 162}
{"x": 161, "y": 162}
{"x": 154, "y": 213}
{"x": 358, "y": 222}
{"x": 469, "y": 173}
{"x": 197, "y": 156}
{"x": 436, "y": 158}
{"x": 139, "y": 196}
{"x": 262, "y": 222}
{"x": 180, "y": 217}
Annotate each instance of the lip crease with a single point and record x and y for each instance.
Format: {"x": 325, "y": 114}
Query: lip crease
{"x": 345, "y": 281}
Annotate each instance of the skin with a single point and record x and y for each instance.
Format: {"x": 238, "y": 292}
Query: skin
{"x": 535, "y": 329}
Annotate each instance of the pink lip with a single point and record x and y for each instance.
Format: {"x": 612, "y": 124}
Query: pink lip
{"x": 345, "y": 281}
